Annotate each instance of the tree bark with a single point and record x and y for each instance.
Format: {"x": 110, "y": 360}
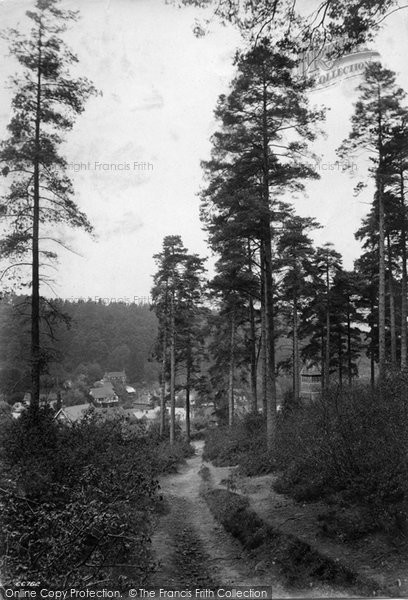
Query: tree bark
{"x": 404, "y": 306}
{"x": 349, "y": 361}
{"x": 264, "y": 351}
{"x": 163, "y": 385}
{"x": 35, "y": 295}
{"x": 254, "y": 384}
{"x": 296, "y": 367}
{"x": 327, "y": 352}
{"x": 392, "y": 306}
{"x": 231, "y": 372}
{"x": 269, "y": 299}
{"x": 188, "y": 388}
{"x": 381, "y": 255}
{"x": 172, "y": 371}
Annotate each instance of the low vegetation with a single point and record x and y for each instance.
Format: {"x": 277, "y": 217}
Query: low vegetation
{"x": 348, "y": 449}
{"x": 244, "y": 445}
{"x": 77, "y": 501}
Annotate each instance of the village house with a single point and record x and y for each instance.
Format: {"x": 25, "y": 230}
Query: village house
{"x": 104, "y": 396}
{"x": 115, "y": 377}
{"x": 71, "y": 414}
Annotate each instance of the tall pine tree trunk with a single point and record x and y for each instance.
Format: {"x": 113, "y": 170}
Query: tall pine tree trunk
{"x": 271, "y": 416}
{"x": 254, "y": 385}
{"x": 404, "y": 306}
{"x": 172, "y": 370}
{"x": 327, "y": 350}
{"x": 392, "y": 305}
{"x": 189, "y": 364}
{"x": 231, "y": 372}
{"x": 188, "y": 387}
{"x": 264, "y": 350}
{"x": 35, "y": 295}
{"x": 381, "y": 273}
{"x": 163, "y": 384}
{"x": 296, "y": 362}
{"x": 349, "y": 361}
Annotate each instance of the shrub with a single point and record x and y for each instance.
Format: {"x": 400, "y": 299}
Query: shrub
{"x": 79, "y": 501}
{"x": 244, "y": 445}
{"x": 352, "y": 446}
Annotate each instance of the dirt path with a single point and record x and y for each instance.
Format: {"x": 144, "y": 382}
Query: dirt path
{"x": 192, "y": 549}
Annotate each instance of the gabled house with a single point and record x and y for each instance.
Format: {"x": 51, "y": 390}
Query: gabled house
{"x": 71, "y": 414}
{"x": 115, "y": 377}
{"x": 104, "y": 396}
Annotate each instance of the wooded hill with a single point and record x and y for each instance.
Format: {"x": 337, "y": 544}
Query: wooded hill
{"x": 88, "y": 337}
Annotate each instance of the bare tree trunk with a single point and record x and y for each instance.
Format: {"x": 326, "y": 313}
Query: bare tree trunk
{"x": 254, "y": 383}
{"x": 264, "y": 351}
{"x": 404, "y": 306}
{"x": 349, "y": 361}
{"x": 296, "y": 367}
{"x": 188, "y": 426}
{"x": 322, "y": 349}
{"x": 231, "y": 372}
{"x": 327, "y": 353}
{"x": 189, "y": 363}
{"x": 340, "y": 351}
{"x": 271, "y": 416}
{"x": 35, "y": 295}
{"x": 163, "y": 385}
{"x": 172, "y": 371}
{"x": 381, "y": 273}
{"x": 392, "y": 306}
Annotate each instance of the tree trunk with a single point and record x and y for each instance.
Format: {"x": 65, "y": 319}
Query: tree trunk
{"x": 392, "y": 306}
{"x": 404, "y": 306}
{"x": 172, "y": 371}
{"x": 254, "y": 391}
{"x": 296, "y": 367}
{"x": 322, "y": 350}
{"x": 231, "y": 372}
{"x": 188, "y": 426}
{"x": 269, "y": 300}
{"x": 349, "y": 361}
{"x": 264, "y": 352}
{"x": 340, "y": 351}
{"x": 35, "y": 295}
{"x": 163, "y": 385}
{"x": 381, "y": 273}
{"x": 327, "y": 353}
{"x": 188, "y": 387}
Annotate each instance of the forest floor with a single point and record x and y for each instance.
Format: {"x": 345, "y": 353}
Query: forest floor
{"x": 193, "y": 550}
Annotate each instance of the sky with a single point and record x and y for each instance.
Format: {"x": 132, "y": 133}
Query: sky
{"x": 134, "y": 154}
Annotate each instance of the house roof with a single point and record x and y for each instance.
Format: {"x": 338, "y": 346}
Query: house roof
{"x": 115, "y": 374}
{"x": 103, "y": 383}
{"x": 102, "y": 392}
{"x": 72, "y": 413}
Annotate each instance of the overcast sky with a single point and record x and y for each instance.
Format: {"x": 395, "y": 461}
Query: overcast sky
{"x": 153, "y": 122}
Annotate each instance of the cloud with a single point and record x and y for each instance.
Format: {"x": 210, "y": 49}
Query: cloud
{"x": 128, "y": 224}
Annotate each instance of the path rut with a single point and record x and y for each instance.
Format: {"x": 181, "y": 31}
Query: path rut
{"x": 193, "y": 550}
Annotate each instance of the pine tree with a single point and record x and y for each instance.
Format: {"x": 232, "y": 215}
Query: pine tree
{"x": 376, "y": 113}
{"x": 189, "y": 325}
{"x": 46, "y": 101}
{"x": 264, "y": 104}
{"x": 295, "y": 251}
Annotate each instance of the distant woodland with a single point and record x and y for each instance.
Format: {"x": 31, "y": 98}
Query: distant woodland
{"x": 85, "y": 338}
